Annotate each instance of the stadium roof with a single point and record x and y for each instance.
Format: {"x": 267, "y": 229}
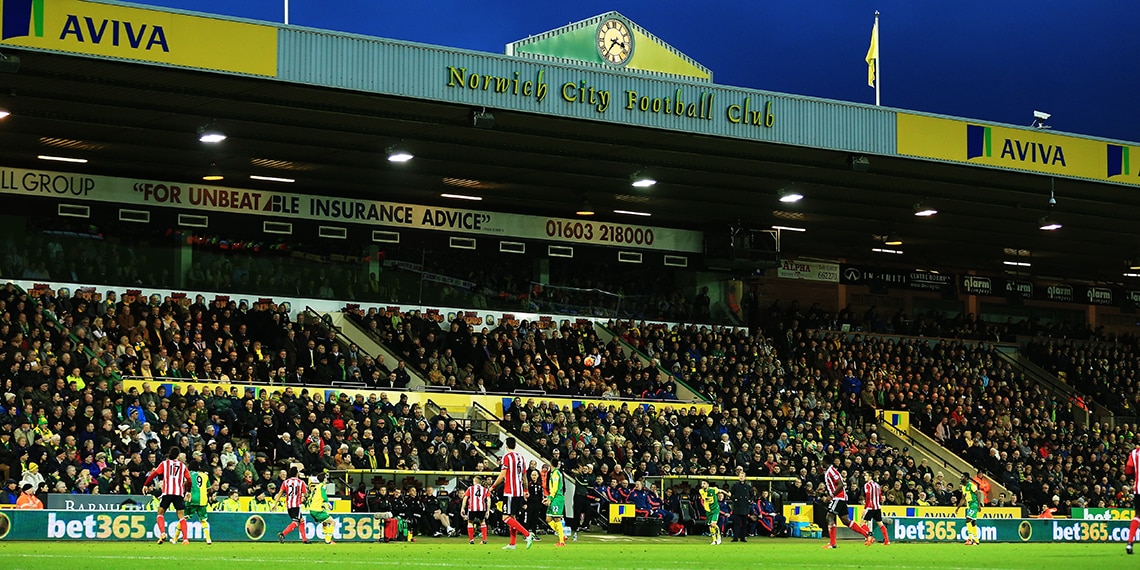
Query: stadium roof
{"x": 141, "y": 121}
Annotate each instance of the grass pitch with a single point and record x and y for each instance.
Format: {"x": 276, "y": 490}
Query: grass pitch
{"x": 591, "y": 551}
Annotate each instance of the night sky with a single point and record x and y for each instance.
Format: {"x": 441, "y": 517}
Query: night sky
{"x": 991, "y": 60}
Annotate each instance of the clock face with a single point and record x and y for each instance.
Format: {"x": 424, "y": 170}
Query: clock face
{"x": 615, "y": 42}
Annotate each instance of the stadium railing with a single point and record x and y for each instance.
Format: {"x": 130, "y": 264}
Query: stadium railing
{"x": 1012, "y": 353}
{"x": 668, "y": 481}
{"x": 349, "y": 328}
{"x": 490, "y": 401}
{"x": 479, "y": 428}
{"x": 913, "y": 439}
{"x": 684, "y": 391}
{"x": 1086, "y": 411}
{"x": 351, "y": 478}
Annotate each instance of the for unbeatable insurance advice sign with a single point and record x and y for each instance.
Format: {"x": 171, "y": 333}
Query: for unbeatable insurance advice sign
{"x": 78, "y": 188}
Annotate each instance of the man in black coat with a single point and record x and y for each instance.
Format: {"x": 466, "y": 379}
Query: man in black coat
{"x": 741, "y": 503}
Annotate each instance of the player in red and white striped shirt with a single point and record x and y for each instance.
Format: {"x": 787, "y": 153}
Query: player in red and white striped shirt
{"x": 838, "y": 506}
{"x": 872, "y": 509}
{"x": 512, "y": 477}
{"x": 474, "y": 508}
{"x": 175, "y": 475}
{"x": 295, "y": 490}
{"x": 1132, "y": 469}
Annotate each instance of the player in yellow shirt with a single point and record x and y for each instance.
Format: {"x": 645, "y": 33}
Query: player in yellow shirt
{"x": 318, "y": 507}
{"x": 554, "y": 500}
{"x": 971, "y": 501}
{"x": 711, "y": 504}
{"x": 199, "y": 500}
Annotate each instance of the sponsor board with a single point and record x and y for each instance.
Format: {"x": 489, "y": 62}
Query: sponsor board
{"x": 69, "y": 502}
{"x": 984, "y": 286}
{"x": 809, "y": 270}
{"x": 947, "y": 512}
{"x": 373, "y": 213}
{"x": 977, "y": 285}
{"x": 1011, "y": 148}
{"x": 1103, "y": 514}
{"x": 142, "y": 526}
{"x": 893, "y": 278}
{"x": 453, "y": 400}
{"x": 1008, "y": 530}
{"x": 115, "y": 31}
{"x": 897, "y": 420}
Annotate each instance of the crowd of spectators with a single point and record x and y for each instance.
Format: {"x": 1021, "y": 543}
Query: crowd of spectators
{"x": 67, "y": 423}
{"x": 1105, "y": 369}
{"x": 80, "y": 254}
{"x": 785, "y": 403}
{"x": 566, "y": 358}
{"x": 135, "y": 336}
{"x": 138, "y": 257}
{"x": 781, "y": 316}
{"x": 959, "y": 392}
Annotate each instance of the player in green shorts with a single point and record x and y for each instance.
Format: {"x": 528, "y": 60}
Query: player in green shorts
{"x": 554, "y": 501}
{"x": 198, "y": 499}
{"x": 970, "y": 501}
{"x": 711, "y": 503}
{"x": 318, "y": 507}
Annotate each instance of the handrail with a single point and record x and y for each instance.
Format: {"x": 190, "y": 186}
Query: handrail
{"x": 701, "y": 398}
{"x": 915, "y": 443}
{"x": 532, "y": 444}
{"x": 412, "y": 472}
{"x": 376, "y": 339}
{"x": 681, "y": 478}
{"x": 434, "y": 408}
{"x": 479, "y": 406}
{"x": 939, "y": 453}
{"x": 1032, "y": 370}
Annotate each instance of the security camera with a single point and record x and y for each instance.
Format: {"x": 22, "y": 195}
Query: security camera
{"x": 1052, "y": 201}
{"x": 1041, "y": 115}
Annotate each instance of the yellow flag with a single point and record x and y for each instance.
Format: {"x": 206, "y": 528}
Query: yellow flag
{"x": 873, "y": 54}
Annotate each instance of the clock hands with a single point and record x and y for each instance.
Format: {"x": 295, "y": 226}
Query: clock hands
{"x": 614, "y": 42}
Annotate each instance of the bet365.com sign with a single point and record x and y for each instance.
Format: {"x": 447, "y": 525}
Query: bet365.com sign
{"x": 1009, "y": 530}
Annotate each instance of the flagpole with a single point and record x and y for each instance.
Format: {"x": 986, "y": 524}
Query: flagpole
{"x": 287, "y": 14}
{"x": 878, "y": 64}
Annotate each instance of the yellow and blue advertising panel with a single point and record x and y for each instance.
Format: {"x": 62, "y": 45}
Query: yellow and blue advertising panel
{"x": 110, "y": 30}
{"x": 948, "y": 512}
{"x": 1017, "y": 149}
{"x": 619, "y": 512}
{"x": 452, "y": 400}
{"x": 897, "y": 420}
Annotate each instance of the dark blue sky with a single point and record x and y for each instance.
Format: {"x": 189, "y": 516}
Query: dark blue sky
{"x": 997, "y": 60}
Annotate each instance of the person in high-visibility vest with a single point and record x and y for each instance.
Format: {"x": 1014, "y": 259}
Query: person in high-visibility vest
{"x": 28, "y": 498}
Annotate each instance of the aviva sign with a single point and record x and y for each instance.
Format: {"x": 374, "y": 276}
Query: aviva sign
{"x": 116, "y": 31}
{"x": 1016, "y": 149}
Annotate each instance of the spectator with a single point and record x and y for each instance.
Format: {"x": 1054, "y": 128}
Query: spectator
{"x": 28, "y": 498}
